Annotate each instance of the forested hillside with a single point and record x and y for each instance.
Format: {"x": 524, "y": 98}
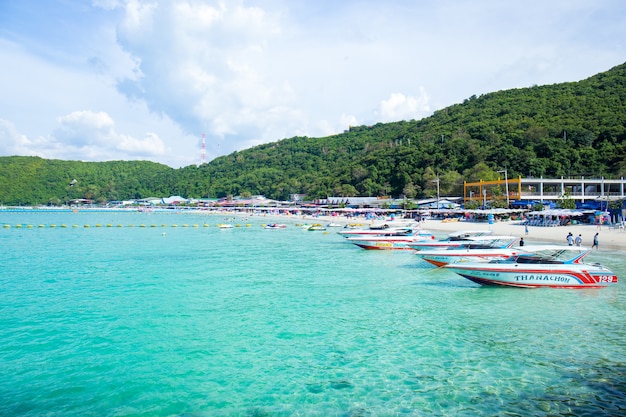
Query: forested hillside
{"x": 30, "y": 180}
{"x": 568, "y": 129}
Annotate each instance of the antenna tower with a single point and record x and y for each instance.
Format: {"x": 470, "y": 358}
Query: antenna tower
{"x": 203, "y": 150}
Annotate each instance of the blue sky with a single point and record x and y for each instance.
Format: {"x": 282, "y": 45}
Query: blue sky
{"x": 132, "y": 79}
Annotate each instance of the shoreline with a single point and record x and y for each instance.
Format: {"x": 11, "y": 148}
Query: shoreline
{"x": 609, "y": 237}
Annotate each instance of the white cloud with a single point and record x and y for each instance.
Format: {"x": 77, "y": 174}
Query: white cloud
{"x": 252, "y": 71}
{"x": 401, "y": 107}
{"x": 85, "y": 128}
{"x": 94, "y": 133}
{"x": 82, "y": 135}
{"x": 12, "y": 142}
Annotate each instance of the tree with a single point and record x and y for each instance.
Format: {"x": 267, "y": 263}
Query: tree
{"x": 566, "y": 202}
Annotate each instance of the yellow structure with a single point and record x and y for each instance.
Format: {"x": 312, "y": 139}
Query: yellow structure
{"x": 483, "y": 191}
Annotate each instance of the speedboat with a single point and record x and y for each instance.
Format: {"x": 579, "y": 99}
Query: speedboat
{"x": 475, "y": 241}
{"x": 454, "y": 239}
{"x": 333, "y": 224}
{"x": 541, "y": 266}
{"x": 499, "y": 247}
{"x": 275, "y": 226}
{"x": 392, "y": 231}
{"x": 399, "y": 242}
{"x": 316, "y": 227}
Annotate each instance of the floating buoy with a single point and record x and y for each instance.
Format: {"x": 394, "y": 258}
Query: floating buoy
{"x": 7, "y": 226}
{"x": 53, "y": 225}
{"x": 41, "y": 226}
{"x": 109, "y": 225}
{"x": 206, "y": 225}
{"x": 163, "y": 225}
{"x": 120, "y": 225}
{"x": 19, "y": 226}
{"x": 30, "y": 226}
{"x": 174, "y": 225}
{"x": 98, "y": 225}
{"x": 153, "y": 225}
{"x": 184, "y": 225}
{"x": 142, "y": 225}
{"x": 87, "y": 226}
{"x": 63, "y": 225}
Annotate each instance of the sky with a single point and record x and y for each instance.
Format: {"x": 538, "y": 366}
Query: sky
{"x": 105, "y": 80}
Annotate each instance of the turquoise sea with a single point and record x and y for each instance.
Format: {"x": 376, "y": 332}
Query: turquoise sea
{"x": 201, "y": 321}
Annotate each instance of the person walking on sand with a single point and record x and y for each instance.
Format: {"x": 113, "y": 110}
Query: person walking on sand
{"x": 526, "y": 229}
{"x": 595, "y": 242}
{"x": 579, "y": 240}
{"x": 570, "y": 239}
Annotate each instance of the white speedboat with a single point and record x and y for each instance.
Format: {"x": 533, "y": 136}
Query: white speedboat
{"x": 275, "y": 226}
{"x": 542, "y": 266}
{"x": 500, "y": 247}
{"x": 393, "y": 231}
{"x": 333, "y": 224}
{"x": 453, "y": 239}
{"x": 399, "y": 242}
{"x": 475, "y": 241}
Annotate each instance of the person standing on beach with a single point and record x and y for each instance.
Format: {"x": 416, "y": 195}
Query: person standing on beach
{"x": 579, "y": 240}
{"x": 526, "y": 229}
{"x": 595, "y": 242}
{"x": 570, "y": 239}
{"x": 521, "y": 241}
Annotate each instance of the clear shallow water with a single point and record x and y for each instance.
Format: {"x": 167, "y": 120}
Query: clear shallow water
{"x": 253, "y": 322}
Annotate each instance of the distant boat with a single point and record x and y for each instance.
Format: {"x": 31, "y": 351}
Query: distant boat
{"x": 542, "y": 266}
{"x": 275, "y": 226}
{"x": 331, "y": 224}
{"x": 316, "y": 227}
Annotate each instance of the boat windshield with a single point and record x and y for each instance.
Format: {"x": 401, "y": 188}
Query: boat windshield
{"x": 537, "y": 259}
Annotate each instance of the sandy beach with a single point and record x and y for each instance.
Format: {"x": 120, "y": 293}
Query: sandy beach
{"x": 609, "y": 237}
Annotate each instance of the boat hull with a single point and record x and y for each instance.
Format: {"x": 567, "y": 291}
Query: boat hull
{"x": 528, "y": 276}
{"x": 389, "y": 242}
{"x": 436, "y": 245}
{"x": 382, "y": 245}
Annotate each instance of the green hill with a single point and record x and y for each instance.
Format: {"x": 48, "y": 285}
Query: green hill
{"x": 568, "y": 129}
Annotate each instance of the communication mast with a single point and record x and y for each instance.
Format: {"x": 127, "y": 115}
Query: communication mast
{"x": 203, "y": 150}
